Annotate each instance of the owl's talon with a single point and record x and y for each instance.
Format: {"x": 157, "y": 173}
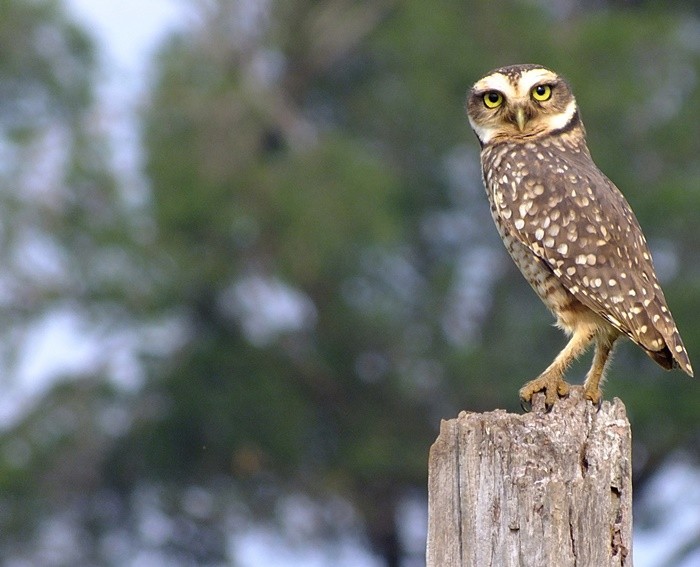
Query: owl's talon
{"x": 594, "y": 396}
{"x": 563, "y": 389}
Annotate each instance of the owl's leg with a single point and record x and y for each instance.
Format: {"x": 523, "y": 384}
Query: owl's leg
{"x": 595, "y": 377}
{"x": 551, "y": 381}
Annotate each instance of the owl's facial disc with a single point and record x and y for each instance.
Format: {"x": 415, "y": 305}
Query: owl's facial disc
{"x": 532, "y": 101}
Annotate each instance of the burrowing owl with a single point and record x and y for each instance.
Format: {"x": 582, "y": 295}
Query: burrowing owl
{"x": 567, "y": 227}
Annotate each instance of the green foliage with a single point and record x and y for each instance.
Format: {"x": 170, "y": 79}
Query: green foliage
{"x": 44, "y": 62}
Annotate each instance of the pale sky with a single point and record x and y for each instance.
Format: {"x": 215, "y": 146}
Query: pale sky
{"x": 128, "y": 30}
{"x": 61, "y": 342}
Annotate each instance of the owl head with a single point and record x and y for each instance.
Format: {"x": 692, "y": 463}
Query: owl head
{"x": 520, "y": 102}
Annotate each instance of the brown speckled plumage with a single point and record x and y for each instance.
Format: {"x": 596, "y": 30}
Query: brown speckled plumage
{"x": 567, "y": 227}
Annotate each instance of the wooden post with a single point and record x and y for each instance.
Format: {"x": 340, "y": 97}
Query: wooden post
{"x": 532, "y": 490}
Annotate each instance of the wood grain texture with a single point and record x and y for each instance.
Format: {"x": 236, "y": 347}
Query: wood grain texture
{"x": 508, "y": 490}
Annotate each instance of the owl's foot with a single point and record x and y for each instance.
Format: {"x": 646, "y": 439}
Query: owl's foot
{"x": 553, "y": 385}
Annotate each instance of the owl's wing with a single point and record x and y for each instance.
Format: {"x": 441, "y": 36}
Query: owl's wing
{"x": 581, "y": 226}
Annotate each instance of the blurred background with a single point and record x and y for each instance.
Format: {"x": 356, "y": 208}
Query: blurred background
{"x": 248, "y": 266}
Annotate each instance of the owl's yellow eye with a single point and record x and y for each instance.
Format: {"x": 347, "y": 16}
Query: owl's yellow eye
{"x": 493, "y": 99}
{"x": 542, "y": 92}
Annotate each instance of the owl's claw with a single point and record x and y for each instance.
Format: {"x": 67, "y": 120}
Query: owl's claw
{"x": 594, "y": 395}
{"x": 553, "y": 387}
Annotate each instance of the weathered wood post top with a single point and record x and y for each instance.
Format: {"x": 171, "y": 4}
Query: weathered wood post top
{"x": 543, "y": 489}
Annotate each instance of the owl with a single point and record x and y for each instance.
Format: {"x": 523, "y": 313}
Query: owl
{"x": 567, "y": 227}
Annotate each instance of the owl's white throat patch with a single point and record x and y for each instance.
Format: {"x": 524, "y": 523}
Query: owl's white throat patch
{"x": 561, "y": 120}
{"x": 482, "y": 132}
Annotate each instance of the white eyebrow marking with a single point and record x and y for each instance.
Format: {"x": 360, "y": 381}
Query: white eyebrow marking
{"x": 496, "y": 82}
{"x": 534, "y": 76}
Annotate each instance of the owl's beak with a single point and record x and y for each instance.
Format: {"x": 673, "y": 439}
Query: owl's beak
{"x": 520, "y": 118}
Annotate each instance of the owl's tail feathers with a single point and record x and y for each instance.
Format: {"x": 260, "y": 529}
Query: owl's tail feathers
{"x": 663, "y": 358}
{"x": 657, "y": 334}
{"x": 673, "y": 355}
{"x": 680, "y": 355}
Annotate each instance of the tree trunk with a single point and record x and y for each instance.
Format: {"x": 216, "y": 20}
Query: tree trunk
{"x": 554, "y": 488}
